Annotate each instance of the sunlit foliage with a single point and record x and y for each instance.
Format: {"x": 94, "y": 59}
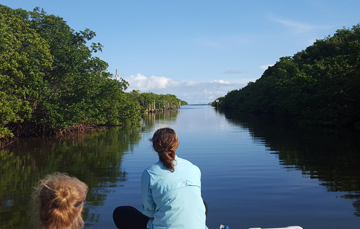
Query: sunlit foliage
{"x": 318, "y": 86}
{"x": 153, "y": 101}
{"x": 50, "y": 79}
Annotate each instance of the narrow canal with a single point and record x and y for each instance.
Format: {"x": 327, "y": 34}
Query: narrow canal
{"x": 256, "y": 171}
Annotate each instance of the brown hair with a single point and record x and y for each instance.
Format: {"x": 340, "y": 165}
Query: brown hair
{"x": 58, "y": 202}
{"x": 165, "y": 143}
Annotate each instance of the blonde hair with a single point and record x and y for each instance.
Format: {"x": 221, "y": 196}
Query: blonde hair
{"x": 165, "y": 143}
{"x": 58, "y": 202}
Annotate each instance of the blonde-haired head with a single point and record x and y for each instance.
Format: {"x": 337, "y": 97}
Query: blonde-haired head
{"x": 58, "y": 202}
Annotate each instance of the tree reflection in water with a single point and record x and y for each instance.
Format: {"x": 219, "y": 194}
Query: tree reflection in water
{"x": 94, "y": 158}
{"x": 330, "y": 156}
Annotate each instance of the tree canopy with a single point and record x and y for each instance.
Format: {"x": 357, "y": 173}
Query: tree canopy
{"x": 318, "y": 86}
{"x": 50, "y": 79}
{"x": 24, "y": 55}
{"x": 148, "y": 100}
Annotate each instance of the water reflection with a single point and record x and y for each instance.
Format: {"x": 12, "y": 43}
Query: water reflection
{"x": 150, "y": 119}
{"x": 94, "y": 158}
{"x": 331, "y": 157}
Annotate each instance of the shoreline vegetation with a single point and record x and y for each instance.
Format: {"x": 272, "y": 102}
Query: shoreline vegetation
{"x": 51, "y": 84}
{"x": 319, "y": 86}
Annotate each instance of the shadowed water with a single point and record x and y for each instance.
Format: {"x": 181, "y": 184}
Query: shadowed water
{"x": 257, "y": 171}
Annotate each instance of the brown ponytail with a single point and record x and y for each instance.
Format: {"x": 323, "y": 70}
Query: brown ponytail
{"x": 165, "y": 143}
{"x": 60, "y": 202}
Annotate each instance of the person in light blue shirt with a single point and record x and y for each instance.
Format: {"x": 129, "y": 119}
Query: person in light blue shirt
{"x": 171, "y": 188}
{"x": 171, "y": 191}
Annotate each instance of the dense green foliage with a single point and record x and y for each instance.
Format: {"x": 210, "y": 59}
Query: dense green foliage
{"x": 50, "y": 80}
{"x": 319, "y": 85}
{"x": 49, "y": 76}
{"x": 154, "y": 101}
{"x": 24, "y": 55}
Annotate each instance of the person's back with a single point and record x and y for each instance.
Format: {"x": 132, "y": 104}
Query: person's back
{"x": 170, "y": 190}
{"x": 177, "y": 195}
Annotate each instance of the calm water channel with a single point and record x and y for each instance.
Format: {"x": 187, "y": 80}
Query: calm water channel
{"x": 256, "y": 171}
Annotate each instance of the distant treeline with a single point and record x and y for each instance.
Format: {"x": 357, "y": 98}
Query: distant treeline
{"x": 50, "y": 82}
{"x": 318, "y": 86}
{"x": 150, "y": 101}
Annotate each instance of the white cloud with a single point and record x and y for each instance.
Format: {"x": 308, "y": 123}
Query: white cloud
{"x": 266, "y": 66}
{"x": 298, "y": 27}
{"x": 143, "y": 83}
{"x": 191, "y": 83}
{"x": 220, "y": 81}
{"x": 190, "y": 91}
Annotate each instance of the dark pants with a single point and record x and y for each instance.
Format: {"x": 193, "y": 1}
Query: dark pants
{"x": 127, "y": 217}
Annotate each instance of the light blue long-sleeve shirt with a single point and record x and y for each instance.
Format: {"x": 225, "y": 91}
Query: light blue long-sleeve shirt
{"x": 173, "y": 199}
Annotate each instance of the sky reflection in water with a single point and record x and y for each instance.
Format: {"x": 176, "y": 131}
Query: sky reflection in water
{"x": 256, "y": 170}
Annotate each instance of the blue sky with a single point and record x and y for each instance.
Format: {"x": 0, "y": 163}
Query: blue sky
{"x": 199, "y": 49}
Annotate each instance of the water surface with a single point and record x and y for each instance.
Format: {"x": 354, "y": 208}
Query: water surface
{"x": 256, "y": 171}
